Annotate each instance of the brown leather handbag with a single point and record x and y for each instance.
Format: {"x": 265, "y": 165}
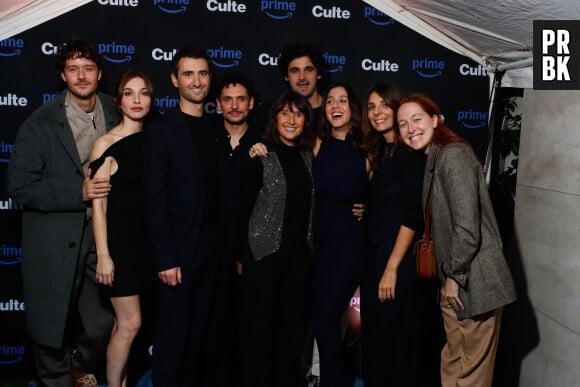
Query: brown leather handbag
{"x": 424, "y": 249}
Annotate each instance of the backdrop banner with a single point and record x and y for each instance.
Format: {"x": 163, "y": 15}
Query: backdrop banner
{"x": 360, "y": 45}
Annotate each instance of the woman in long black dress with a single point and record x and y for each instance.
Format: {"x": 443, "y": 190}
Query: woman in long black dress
{"x": 123, "y": 260}
{"x": 393, "y": 313}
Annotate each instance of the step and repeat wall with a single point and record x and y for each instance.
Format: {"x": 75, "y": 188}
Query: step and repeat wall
{"x": 360, "y": 45}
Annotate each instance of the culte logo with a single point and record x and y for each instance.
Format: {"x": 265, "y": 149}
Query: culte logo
{"x": 382, "y": 65}
{"x": 266, "y": 59}
{"x": 171, "y": 6}
{"x": 116, "y": 52}
{"x": 120, "y": 3}
{"x": 9, "y": 205}
{"x": 11, "y": 255}
{"x": 159, "y": 54}
{"x": 477, "y": 71}
{"x": 5, "y": 151}
{"x": 11, "y": 355}
{"x": 334, "y": 63}
{"x": 428, "y": 68}
{"x": 230, "y": 6}
{"x": 11, "y": 47}
{"x": 330, "y": 13}
{"x": 377, "y": 17}
{"x": 211, "y": 108}
{"x": 12, "y": 100}
{"x": 48, "y": 48}
{"x": 12, "y": 306}
{"x": 472, "y": 119}
{"x": 277, "y": 9}
{"x": 225, "y": 58}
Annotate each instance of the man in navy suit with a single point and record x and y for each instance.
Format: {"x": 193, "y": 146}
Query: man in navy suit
{"x": 181, "y": 178}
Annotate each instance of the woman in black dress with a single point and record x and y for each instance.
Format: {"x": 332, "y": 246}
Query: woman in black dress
{"x": 392, "y": 312}
{"x": 123, "y": 260}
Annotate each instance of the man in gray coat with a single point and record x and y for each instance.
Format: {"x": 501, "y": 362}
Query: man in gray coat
{"x": 67, "y": 320}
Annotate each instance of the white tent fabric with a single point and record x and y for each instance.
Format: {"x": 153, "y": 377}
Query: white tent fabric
{"x": 17, "y": 16}
{"x": 494, "y": 33}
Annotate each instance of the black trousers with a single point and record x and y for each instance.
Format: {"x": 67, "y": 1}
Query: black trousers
{"x": 181, "y": 328}
{"x": 274, "y": 317}
{"x": 89, "y": 324}
{"x": 223, "y": 346}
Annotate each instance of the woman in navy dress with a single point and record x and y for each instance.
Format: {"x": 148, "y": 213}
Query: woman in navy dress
{"x": 124, "y": 265}
{"x": 340, "y": 175}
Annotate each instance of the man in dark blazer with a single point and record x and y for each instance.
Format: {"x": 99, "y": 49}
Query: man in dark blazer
{"x": 46, "y": 176}
{"x": 181, "y": 199}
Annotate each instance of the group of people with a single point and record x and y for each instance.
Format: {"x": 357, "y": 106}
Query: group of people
{"x": 254, "y": 235}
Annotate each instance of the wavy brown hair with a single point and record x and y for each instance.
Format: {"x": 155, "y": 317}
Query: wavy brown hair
{"x": 373, "y": 139}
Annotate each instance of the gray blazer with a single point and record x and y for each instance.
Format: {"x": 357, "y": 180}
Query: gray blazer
{"x": 463, "y": 226}
{"x": 45, "y": 176}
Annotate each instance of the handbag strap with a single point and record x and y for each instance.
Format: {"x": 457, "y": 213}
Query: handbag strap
{"x": 427, "y": 233}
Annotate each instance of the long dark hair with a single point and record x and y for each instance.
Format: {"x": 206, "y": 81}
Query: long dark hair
{"x": 391, "y": 95}
{"x": 293, "y": 101}
{"x": 355, "y": 134}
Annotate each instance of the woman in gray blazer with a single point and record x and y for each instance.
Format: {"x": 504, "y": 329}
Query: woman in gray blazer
{"x": 476, "y": 282}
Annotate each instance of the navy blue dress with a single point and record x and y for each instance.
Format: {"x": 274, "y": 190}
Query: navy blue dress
{"x": 340, "y": 180}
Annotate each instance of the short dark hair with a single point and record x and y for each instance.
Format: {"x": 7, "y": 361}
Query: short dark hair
{"x": 292, "y": 100}
{"x": 297, "y": 50}
{"x": 75, "y": 48}
{"x": 189, "y": 52}
{"x": 236, "y": 78}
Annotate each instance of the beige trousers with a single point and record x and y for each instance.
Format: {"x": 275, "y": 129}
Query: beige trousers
{"x": 468, "y": 357}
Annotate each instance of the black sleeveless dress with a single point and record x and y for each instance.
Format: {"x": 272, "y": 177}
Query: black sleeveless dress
{"x": 126, "y": 228}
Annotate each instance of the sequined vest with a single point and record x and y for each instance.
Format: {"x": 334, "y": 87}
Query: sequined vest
{"x": 265, "y": 224}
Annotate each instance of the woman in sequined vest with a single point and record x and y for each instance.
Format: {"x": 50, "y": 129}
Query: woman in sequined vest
{"x": 275, "y": 249}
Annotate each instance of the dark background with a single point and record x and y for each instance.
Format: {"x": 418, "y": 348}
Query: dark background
{"x": 129, "y": 34}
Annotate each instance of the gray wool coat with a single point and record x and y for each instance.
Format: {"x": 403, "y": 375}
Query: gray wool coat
{"x": 45, "y": 176}
{"x": 463, "y": 226}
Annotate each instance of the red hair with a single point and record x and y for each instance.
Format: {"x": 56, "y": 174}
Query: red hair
{"x": 442, "y": 135}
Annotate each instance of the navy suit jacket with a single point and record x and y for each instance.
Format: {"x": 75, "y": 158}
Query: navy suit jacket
{"x": 175, "y": 198}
